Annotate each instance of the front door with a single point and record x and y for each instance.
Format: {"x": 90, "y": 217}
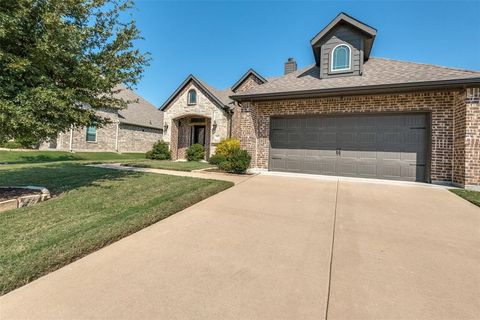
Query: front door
{"x": 198, "y": 135}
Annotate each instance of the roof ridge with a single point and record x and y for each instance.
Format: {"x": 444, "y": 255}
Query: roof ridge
{"x": 426, "y": 64}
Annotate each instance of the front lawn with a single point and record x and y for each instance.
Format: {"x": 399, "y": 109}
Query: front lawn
{"x": 472, "y": 196}
{"x": 168, "y": 165}
{"x": 92, "y": 208}
{"x": 53, "y": 156}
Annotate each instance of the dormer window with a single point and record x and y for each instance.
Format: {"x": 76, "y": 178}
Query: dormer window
{"x": 341, "y": 58}
{"x": 192, "y": 97}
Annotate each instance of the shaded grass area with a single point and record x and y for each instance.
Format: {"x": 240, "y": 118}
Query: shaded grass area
{"x": 472, "y": 196}
{"x": 168, "y": 165}
{"x": 93, "y": 208}
{"x": 54, "y": 156}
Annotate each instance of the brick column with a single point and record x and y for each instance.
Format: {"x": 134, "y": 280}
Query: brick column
{"x": 466, "y": 170}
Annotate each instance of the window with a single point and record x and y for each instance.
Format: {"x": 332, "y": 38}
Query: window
{"x": 92, "y": 133}
{"x": 192, "y": 97}
{"x": 341, "y": 58}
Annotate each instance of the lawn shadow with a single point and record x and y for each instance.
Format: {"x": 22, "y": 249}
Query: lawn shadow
{"x": 60, "y": 177}
{"x": 45, "y": 158}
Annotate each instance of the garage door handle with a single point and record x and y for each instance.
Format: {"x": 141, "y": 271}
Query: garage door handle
{"x": 276, "y": 158}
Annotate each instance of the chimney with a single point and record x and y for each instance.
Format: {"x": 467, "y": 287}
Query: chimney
{"x": 290, "y": 66}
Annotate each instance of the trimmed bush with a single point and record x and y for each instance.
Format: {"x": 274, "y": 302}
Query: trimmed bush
{"x": 226, "y": 146}
{"x": 195, "y": 152}
{"x": 216, "y": 159}
{"x": 11, "y": 145}
{"x": 237, "y": 161}
{"x": 159, "y": 152}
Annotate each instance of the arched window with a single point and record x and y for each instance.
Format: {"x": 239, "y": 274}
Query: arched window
{"x": 192, "y": 97}
{"x": 341, "y": 58}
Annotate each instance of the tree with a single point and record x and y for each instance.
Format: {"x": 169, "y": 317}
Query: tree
{"x": 61, "y": 60}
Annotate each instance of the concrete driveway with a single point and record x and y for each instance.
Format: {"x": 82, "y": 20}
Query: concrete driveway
{"x": 263, "y": 250}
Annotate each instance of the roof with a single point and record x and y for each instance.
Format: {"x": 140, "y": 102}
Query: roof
{"x": 139, "y": 111}
{"x": 220, "y": 97}
{"x": 245, "y": 76}
{"x": 369, "y": 31}
{"x": 378, "y": 74}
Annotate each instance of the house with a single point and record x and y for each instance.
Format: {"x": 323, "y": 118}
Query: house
{"x": 133, "y": 129}
{"x": 347, "y": 114}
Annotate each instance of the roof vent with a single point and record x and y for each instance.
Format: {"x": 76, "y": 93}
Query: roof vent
{"x": 290, "y": 66}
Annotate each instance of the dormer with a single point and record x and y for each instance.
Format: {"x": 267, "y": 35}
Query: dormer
{"x": 342, "y": 47}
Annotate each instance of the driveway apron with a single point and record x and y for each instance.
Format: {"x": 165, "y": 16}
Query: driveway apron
{"x": 260, "y": 250}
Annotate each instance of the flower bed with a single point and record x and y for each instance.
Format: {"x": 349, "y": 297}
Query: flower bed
{"x": 17, "y": 197}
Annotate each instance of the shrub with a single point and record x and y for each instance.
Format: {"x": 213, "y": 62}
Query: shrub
{"x": 195, "y": 152}
{"x": 12, "y": 145}
{"x": 237, "y": 161}
{"x": 216, "y": 159}
{"x": 226, "y": 146}
{"x": 159, "y": 151}
{"x": 28, "y": 143}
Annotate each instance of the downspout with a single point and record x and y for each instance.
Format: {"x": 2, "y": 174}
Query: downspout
{"x": 71, "y": 138}
{"x": 116, "y": 136}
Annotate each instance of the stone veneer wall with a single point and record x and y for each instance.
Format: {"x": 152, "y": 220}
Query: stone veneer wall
{"x": 255, "y": 122}
{"x": 204, "y": 107}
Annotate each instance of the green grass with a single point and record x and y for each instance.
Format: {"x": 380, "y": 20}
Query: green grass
{"x": 54, "y": 156}
{"x": 168, "y": 165}
{"x": 92, "y": 208}
{"x": 472, "y": 196}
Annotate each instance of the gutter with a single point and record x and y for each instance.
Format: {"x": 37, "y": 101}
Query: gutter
{"x": 384, "y": 88}
{"x": 141, "y": 125}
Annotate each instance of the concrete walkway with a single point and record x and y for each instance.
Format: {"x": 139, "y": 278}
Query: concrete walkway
{"x": 263, "y": 250}
{"x": 235, "y": 178}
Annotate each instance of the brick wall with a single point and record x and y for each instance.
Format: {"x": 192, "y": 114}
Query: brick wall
{"x": 250, "y": 82}
{"x": 472, "y": 138}
{"x": 255, "y": 121}
{"x": 131, "y": 138}
{"x": 238, "y": 122}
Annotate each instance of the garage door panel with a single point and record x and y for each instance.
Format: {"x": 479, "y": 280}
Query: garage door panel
{"x": 367, "y": 169}
{"x": 376, "y": 146}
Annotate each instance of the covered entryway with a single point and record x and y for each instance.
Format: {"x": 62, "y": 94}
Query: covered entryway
{"x": 385, "y": 146}
{"x": 190, "y": 130}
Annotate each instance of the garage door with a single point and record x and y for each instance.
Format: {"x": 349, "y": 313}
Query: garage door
{"x": 392, "y": 146}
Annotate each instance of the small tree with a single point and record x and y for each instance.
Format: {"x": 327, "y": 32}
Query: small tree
{"x": 61, "y": 61}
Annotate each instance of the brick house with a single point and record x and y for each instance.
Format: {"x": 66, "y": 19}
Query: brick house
{"x": 347, "y": 114}
{"x": 133, "y": 129}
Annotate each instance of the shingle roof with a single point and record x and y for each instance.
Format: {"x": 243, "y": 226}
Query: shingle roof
{"x": 376, "y": 72}
{"x": 140, "y": 112}
{"x": 220, "y": 97}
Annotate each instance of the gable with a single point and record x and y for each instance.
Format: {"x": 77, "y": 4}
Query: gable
{"x": 341, "y": 34}
{"x": 249, "y": 80}
{"x": 356, "y": 35}
{"x": 207, "y": 91}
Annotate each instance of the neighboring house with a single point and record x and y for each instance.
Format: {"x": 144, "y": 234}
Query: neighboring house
{"x": 348, "y": 114}
{"x": 133, "y": 129}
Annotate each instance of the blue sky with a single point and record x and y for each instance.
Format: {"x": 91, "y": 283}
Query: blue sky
{"x": 219, "y": 40}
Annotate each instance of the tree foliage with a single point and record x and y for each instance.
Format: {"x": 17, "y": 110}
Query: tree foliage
{"x": 61, "y": 60}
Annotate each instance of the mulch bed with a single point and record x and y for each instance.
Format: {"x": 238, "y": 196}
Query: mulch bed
{"x": 13, "y": 193}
